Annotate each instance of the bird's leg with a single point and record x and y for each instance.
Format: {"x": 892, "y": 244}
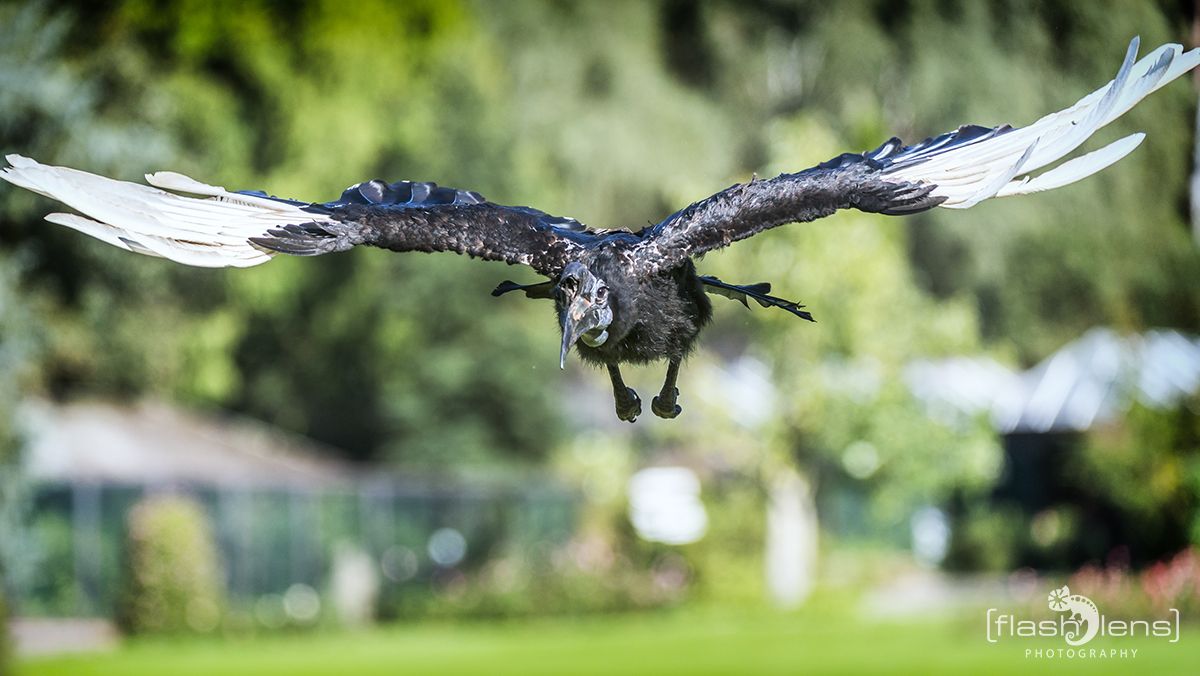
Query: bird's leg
{"x": 629, "y": 405}
{"x": 664, "y": 405}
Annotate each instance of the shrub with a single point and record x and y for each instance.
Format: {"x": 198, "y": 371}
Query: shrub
{"x": 986, "y": 539}
{"x": 173, "y": 582}
{"x": 584, "y": 576}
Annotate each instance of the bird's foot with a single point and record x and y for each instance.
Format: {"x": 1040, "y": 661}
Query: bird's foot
{"x": 629, "y": 407}
{"x": 665, "y": 407}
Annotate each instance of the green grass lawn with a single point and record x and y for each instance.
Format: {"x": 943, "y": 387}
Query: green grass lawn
{"x": 705, "y": 641}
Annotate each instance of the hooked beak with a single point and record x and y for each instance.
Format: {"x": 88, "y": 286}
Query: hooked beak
{"x": 575, "y": 322}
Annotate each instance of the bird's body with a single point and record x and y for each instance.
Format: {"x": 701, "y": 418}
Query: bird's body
{"x": 655, "y": 317}
{"x": 621, "y": 297}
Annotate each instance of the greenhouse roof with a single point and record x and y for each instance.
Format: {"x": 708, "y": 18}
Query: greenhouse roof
{"x": 1090, "y": 381}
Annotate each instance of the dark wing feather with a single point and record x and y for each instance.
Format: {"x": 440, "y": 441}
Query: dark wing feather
{"x": 412, "y": 216}
{"x": 757, "y": 291}
{"x": 540, "y": 290}
{"x": 743, "y": 210}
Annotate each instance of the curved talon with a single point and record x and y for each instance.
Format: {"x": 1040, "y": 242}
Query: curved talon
{"x": 666, "y": 408}
{"x": 629, "y": 407}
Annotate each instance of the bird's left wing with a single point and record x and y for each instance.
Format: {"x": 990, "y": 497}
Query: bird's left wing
{"x": 203, "y": 225}
{"x": 956, "y": 170}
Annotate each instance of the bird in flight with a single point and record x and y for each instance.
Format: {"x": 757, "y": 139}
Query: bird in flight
{"x": 623, "y": 297}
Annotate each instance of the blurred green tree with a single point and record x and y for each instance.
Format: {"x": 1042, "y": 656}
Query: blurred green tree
{"x": 232, "y": 94}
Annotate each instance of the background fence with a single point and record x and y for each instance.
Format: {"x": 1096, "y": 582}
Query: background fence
{"x": 273, "y": 537}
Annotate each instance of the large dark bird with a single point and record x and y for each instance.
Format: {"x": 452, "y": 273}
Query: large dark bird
{"x": 622, "y": 296}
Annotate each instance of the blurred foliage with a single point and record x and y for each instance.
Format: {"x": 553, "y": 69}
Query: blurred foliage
{"x": 175, "y": 581}
{"x": 586, "y": 576}
{"x": 1069, "y": 500}
{"x": 51, "y": 589}
{"x": 1143, "y": 478}
{"x": 727, "y": 563}
{"x": 266, "y": 113}
{"x": 1148, "y": 467}
{"x": 986, "y": 538}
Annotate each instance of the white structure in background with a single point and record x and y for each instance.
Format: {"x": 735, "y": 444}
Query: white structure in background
{"x": 354, "y": 585}
{"x": 741, "y": 388}
{"x": 664, "y": 505}
{"x": 930, "y": 535}
{"x": 791, "y": 556}
{"x": 1090, "y": 381}
{"x": 154, "y": 443}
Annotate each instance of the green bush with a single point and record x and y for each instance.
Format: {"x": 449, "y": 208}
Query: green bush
{"x": 1144, "y": 473}
{"x": 986, "y": 539}
{"x": 583, "y": 577}
{"x": 173, "y": 582}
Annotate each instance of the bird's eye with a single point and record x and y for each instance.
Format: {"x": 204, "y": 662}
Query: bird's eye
{"x": 602, "y": 294}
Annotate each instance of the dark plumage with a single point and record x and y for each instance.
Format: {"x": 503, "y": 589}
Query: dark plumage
{"x": 621, "y": 296}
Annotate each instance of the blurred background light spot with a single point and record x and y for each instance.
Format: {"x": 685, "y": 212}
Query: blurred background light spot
{"x": 1046, "y": 528}
{"x": 664, "y": 505}
{"x": 301, "y": 603}
{"x": 860, "y": 459}
{"x": 399, "y": 563}
{"x": 203, "y": 615}
{"x": 447, "y": 547}
{"x": 268, "y": 611}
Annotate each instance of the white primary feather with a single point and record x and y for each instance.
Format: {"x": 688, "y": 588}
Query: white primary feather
{"x": 972, "y": 172}
{"x": 209, "y": 231}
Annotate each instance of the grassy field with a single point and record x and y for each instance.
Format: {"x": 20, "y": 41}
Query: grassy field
{"x": 679, "y": 642}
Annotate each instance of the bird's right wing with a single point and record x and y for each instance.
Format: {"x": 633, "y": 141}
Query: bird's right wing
{"x": 956, "y": 170}
{"x": 208, "y": 226}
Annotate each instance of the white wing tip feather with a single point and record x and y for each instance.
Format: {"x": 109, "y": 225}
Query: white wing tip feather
{"x": 170, "y": 180}
{"x": 1076, "y": 169}
{"x": 207, "y": 232}
{"x": 966, "y": 175}
{"x": 19, "y": 161}
{"x": 101, "y": 231}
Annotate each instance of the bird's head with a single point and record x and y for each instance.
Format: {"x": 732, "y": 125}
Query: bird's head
{"x": 584, "y": 308}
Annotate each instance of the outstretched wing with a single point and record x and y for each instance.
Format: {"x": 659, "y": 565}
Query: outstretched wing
{"x": 209, "y": 226}
{"x": 956, "y": 170}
